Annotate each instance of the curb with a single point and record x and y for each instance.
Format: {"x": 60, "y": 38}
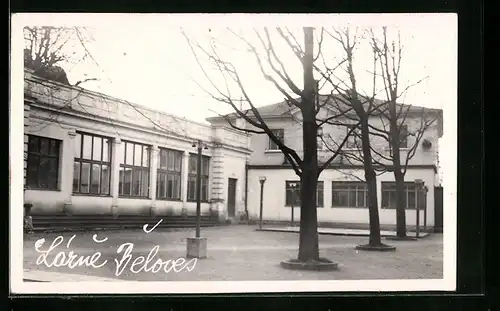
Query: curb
{"x": 62, "y": 229}
{"x": 422, "y": 234}
{"x": 45, "y": 276}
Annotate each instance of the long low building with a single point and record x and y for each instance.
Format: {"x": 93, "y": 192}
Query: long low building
{"x": 90, "y": 154}
{"x": 87, "y": 153}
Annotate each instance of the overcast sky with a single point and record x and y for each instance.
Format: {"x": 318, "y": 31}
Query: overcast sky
{"x": 145, "y": 59}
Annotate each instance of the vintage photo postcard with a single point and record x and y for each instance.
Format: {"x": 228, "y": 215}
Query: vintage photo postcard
{"x": 164, "y": 153}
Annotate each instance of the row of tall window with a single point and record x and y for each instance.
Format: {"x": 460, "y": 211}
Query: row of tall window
{"x": 93, "y": 162}
{"x": 355, "y": 195}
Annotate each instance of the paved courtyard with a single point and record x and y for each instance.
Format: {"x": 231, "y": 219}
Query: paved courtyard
{"x": 240, "y": 253}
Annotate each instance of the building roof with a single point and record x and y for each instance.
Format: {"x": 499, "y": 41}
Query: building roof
{"x": 284, "y": 109}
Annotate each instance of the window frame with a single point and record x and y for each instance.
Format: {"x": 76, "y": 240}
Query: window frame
{"x": 280, "y": 134}
{"x": 392, "y": 188}
{"x": 167, "y": 172}
{"x": 91, "y": 161}
{"x": 353, "y": 140}
{"x": 297, "y": 202}
{"x": 133, "y": 169}
{"x": 205, "y": 178}
{"x": 350, "y": 187}
{"x": 30, "y": 153}
{"x": 403, "y": 130}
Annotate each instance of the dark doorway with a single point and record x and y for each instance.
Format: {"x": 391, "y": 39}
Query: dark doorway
{"x": 438, "y": 209}
{"x": 231, "y": 197}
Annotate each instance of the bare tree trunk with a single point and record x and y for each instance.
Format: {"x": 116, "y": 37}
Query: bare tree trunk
{"x": 400, "y": 204}
{"x": 371, "y": 182}
{"x": 398, "y": 173}
{"x": 308, "y": 239}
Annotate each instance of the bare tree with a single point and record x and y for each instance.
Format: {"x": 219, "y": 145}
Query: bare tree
{"x": 47, "y": 49}
{"x": 388, "y": 120}
{"x": 305, "y": 99}
{"x": 393, "y": 120}
{"x": 363, "y": 105}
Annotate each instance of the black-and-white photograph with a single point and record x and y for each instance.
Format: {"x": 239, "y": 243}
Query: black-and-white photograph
{"x": 179, "y": 153}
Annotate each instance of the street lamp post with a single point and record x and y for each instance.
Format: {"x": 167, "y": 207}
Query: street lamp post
{"x": 426, "y": 189}
{"x": 262, "y": 180}
{"x": 418, "y": 186}
{"x": 197, "y": 246}
{"x": 294, "y": 198}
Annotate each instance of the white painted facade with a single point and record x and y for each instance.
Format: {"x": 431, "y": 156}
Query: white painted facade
{"x": 270, "y": 164}
{"x": 274, "y": 208}
{"x": 57, "y": 111}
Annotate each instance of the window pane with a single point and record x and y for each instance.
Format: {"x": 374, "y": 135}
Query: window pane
{"x": 76, "y": 176}
{"x": 129, "y": 154}
{"x": 160, "y": 185}
{"x": 385, "y": 199}
{"x": 145, "y": 156}
{"x": 422, "y": 200}
{"x": 392, "y": 199}
{"x": 178, "y": 161}
{"x": 96, "y": 178}
{"x": 105, "y": 179}
{"x": 319, "y": 198}
{"x": 297, "y": 202}
{"x": 206, "y": 165}
{"x": 191, "y": 188}
{"x": 361, "y": 199}
{"x": 164, "y": 185}
{"x": 177, "y": 187}
{"x": 106, "y": 149}
{"x": 339, "y": 186}
{"x": 352, "y": 198}
{"x": 32, "y": 170}
{"x": 44, "y": 146}
{"x": 138, "y": 155}
{"x": 411, "y": 199}
{"x": 136, "y": 179}
{"x": 43, "y": 172}
{"x": 84, "y": 187}
{"x": 192, "y": 164}
{"x": 170, "y": 186}
{"x": 204, "y": 189}
{"x": 145, "y": 184}
{"x": 87, "y": 147}
{"x": 96, "y": 151}
{"x": 53, "y": 173}
{"x": 78, "y": 146}
{"x": 288, "y": 197}
{"x": 127, "y": 181}
{"x": 340, "y": 198}
{"x": 170, "y": 161}
{"x": 54, "y": 147}
{"x": 163, "y": 159}
{"x": 34, "y": 144}
{"x": 120, "y": 181}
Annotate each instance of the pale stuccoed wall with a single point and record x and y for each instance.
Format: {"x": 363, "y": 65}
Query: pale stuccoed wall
{"x": 274, "y": 197}
{"x": 80, "y": 110}
{"x": 293, "y": 139}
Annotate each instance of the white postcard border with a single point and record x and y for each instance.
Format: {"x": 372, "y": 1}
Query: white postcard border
{"x": 17, "y": 286}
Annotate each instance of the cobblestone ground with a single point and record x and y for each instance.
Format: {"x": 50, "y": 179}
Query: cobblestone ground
{"x": 239, "y": 253}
